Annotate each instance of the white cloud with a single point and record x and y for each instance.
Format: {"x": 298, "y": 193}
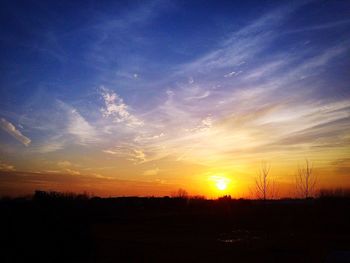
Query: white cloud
{"x": 145, "y": 138}
{"x": 231, "y": 74}
{"x": 139, "y": 155}
{"x": 64, "y": 125}
{"x": 129, "y": 151}
{"x": 265, "y": 69}
{"x": 54, "y": 144}
{"x": 116, "y": 109}
{"x": 11, "y": 129}
{"x": 200, "y": 96}
{"x": 78, "y": 126}
{"x": 204, "y": 125}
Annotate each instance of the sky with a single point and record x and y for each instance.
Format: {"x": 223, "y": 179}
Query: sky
{"x": 146, "y": 97}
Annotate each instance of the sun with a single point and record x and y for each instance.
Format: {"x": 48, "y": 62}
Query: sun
{"x": 221, "y": 184}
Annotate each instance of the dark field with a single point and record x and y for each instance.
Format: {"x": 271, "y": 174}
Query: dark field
{"x": 63, "y": 228}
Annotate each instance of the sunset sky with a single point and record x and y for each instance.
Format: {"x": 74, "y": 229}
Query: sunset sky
{"x": 146, "y": 97}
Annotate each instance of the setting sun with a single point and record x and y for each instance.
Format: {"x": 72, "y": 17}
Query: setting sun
{"x": 221, "y": 184}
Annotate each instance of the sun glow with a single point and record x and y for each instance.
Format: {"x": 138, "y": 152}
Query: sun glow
{"x": 221, "y": 183}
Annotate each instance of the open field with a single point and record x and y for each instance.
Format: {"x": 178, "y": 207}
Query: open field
{"x": 61, "y": 228}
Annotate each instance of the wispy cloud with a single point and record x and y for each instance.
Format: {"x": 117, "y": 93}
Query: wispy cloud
{"x": 6, "y": 167}
{"x": 231, "y": 74}
{"x": 14, "y": 132}
{"x": 128, "y": 151}
{"x": 52, "y": 144}
{"x": 64, "y": 164}
{"x": 117, "y": 110}
{"x": 62, "y": 126}
{"x": 151, "y": 172}
{"x": 77, "y": 125}
{"x": 324, "y": 26}
{"x": 237, "y": 104}
{"x": 68, "y": 167}
{"x": 243, "y": 95}
{"x": 72, "y": 171}
{"x": 252, "y": 112}
{"x": 242, "y": 45}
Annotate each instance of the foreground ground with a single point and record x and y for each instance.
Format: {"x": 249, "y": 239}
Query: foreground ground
{"x": 57, "y": 228}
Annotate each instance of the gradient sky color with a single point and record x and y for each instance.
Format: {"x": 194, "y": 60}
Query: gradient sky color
{"x": 145, "y": 97}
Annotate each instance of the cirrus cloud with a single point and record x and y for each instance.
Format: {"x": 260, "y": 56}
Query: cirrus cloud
{"x": 14, "y": 132}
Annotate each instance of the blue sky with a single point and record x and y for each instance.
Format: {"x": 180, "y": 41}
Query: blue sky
{"x": 139, "y": 87}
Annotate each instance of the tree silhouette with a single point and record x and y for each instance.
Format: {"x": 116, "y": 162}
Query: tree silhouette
{"x": 181, "y": 193}
{"x": 264, "y": 184}
{"x": 306, "y": 180}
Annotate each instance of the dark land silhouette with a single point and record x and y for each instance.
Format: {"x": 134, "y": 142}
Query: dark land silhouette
{"x": 58, "y": 227}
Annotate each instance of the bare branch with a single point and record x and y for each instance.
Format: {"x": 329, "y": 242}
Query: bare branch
{"x": 264, "y": 185}
{"x": 305, "y": 180}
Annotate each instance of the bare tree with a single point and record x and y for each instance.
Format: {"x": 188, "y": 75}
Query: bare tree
{"x": 264, "y": 184}
{"x": 306, "y": 180}
{"x": 181, "y": 193}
